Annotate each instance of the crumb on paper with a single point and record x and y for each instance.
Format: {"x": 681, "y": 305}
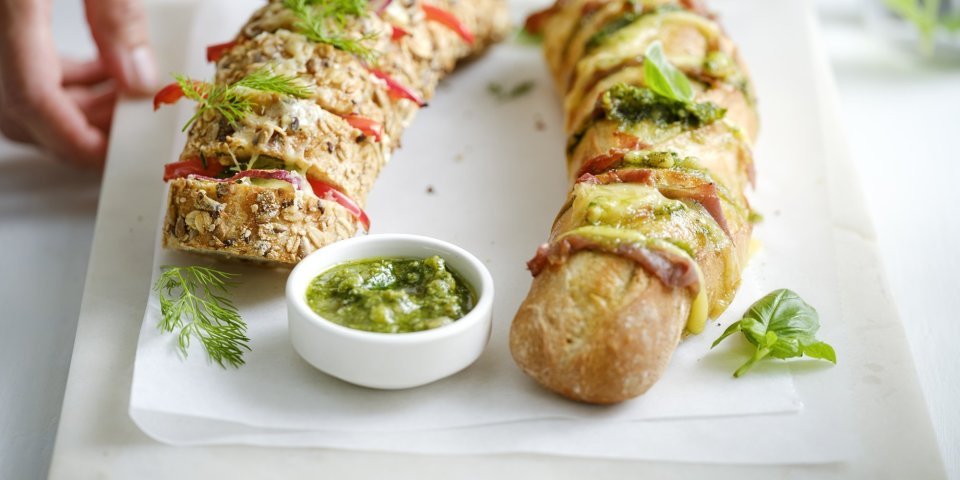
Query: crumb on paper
{"x": 430, "y": 190}
{"x": 458, "y": 158}
{"x": 505, "y": 94}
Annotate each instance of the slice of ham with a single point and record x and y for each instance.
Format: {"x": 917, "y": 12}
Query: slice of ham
{"x": 672, "y": 184}
{"x": 602, "y": 162}
{"x": 672, "y": 269}
{"x": 295, "y": 180}
{"x": 696, "y": 6}
{"x": 537, "y": 21}
{"x": 752, "y": 173}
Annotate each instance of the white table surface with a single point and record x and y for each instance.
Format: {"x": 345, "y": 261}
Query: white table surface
{"x": 902, "y": 117}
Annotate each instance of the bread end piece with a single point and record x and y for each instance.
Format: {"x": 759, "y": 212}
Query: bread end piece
{"x": 275, "y": 226}
{"x": 598, "y": 328}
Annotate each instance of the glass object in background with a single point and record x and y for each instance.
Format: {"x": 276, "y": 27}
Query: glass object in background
{"x": 931, "y": 27}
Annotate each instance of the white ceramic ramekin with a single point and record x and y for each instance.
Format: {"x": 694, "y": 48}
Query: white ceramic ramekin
{"x": 389, "y": 360}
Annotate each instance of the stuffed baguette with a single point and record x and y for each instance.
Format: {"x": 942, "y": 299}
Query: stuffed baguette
{"x": 292, "y": 174}
{"x": 654, "y": 235}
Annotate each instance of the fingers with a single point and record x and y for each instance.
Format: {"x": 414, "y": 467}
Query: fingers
{"x": 64, "y": 129}
{"x": 33, "y": 104}
{"x": 97, "y": 104}
{"x": 14, "y": 131}
{"x": 89, "y": 86}
{"x": 119, "y": 28}
{"x": 90, "y": 72}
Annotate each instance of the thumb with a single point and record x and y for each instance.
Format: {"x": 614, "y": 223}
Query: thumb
{"x": 119, "y": 28}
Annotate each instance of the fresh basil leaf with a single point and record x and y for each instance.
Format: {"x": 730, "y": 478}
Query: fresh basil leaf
{"x": 951, "y": 22}
{"x": 763, "y": 350}
{"x": 780, "y": 325}
{"x": 755, "y": 331}
{"x": 925, "y": 17}
{"x": 663, "y": 78}
{"x": 733, "y": 328}
{"x": 820, "y": 350}
{"x": 786, "y": 314}
{"x": 769, "y": 340}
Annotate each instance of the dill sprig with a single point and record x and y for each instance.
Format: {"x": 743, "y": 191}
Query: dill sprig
{"x": 264, "y": 80}
{"x": 193, "y": 300}
{"x": 325, "y": 21}
{"x": 231, "y": 101}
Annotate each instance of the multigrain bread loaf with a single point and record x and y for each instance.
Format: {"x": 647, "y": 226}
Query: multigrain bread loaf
{"x": 278, "y": 225}
{"x": 655, "y": 232}
{"x": 335, "y": 141}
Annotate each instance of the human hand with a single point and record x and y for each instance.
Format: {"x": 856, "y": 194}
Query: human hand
{"x": 62, "y": 106}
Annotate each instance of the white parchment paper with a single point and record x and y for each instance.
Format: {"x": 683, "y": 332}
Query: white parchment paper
{"x": 489, "y": 177}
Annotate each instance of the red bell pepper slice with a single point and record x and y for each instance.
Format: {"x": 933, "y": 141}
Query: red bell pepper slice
{"x": 216, "y": 52}
{"x": 172, "y": 93}
{"x": 396, "y": 33}
{"x": 397, "y": 90}
{"x": 327, "y": 192}
{"x": 369, "y": 127}
{"x": 447, "y": 19}
{"x": 167, "y": 95}
{"x": 193, "y": 166}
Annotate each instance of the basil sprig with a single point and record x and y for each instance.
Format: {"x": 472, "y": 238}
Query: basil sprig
{"x": 663, "y": 78}
{"x": 926, "y": 17}
{"x": 780, "y": 325}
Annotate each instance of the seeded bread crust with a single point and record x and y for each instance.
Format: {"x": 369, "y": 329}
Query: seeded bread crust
{"x": 277, "y": 226}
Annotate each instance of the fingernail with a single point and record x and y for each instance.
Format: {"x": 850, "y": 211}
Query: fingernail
{"x": 143, "y": 74}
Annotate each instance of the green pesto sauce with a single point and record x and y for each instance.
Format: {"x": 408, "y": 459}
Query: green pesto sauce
{"x": 391, "y": 295}
{"x": 719, "y": 65}
{"x": 614, "y": 26}
{"x": 630, "y": 105}
{"x": 653, "y": 159}
{"x": 622, "y": 21}
{"x": 722, "y": 67}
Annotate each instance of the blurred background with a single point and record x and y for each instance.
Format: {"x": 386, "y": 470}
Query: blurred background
{"x": 899, "y": 94}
